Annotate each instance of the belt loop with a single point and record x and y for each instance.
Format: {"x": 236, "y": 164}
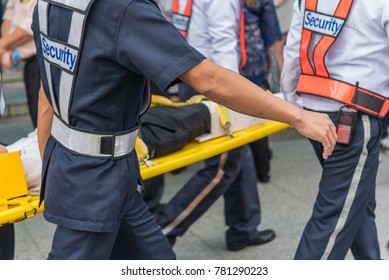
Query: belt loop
{"x": 354, "y": 100}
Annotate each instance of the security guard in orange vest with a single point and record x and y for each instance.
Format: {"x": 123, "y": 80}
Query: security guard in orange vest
{"x": 334, "y": 62}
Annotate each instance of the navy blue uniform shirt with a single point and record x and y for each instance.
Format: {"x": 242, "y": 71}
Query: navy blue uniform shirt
{"x": 125, "y": 41}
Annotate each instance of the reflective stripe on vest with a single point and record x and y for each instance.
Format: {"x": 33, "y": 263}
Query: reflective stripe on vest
{"x": 182, "y": 20}
{"x": 328, "y": 26}
{"x": 65, "y": 57}
{"x": 315, "y": 78}
{"x": 363, "y": 100}
{"x": 92, "y": 144}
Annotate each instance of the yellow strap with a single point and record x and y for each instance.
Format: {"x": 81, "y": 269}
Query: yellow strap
{"x": 224, "y": 117}
{"x": 29, "y": 210}
{"x": 196, "y": 99}
{"x": 159, "y": 100}
{"x": 142, "y": 152}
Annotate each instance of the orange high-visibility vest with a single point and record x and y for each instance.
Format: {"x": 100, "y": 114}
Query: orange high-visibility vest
{"x": 315, "y": 78}
{"x": 182, "y": 20}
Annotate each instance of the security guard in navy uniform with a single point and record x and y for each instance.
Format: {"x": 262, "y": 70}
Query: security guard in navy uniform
{"x": 94, "y": 59}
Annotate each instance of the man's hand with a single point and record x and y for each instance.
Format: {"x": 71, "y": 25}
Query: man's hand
{"x": 318, "y": 127}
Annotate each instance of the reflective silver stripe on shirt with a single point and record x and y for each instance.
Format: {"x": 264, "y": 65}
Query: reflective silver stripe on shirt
{"x": 42, "y": 10}
{"x": 61, "y": 53}
{"x": 77, "y": 4}
{"x": 65, "y": 88}
{"x": 87, "y": 143}
{"x": 353, "y": 189}
{"x": 76, "y": 28}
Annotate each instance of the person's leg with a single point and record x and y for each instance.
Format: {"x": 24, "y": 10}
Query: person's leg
{"x": 384, "y": 137}
{"x": 140, "y": 237}
{"x": 242, "y": 208}
{"x": 153, "y": 191}
{"x": 32, "y": 82}
{"x": 342, "y": 204}
{"x": 7, "y": 242}
{"x": 262, "y": 156}
{"x": 69, "y": 244}
{"x": 199, "y": 193}
{"x": 365, "y": 245}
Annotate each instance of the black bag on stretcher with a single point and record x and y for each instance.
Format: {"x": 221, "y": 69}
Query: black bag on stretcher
{"x": 168, "y": 126}
{"x": 166, "y": 129}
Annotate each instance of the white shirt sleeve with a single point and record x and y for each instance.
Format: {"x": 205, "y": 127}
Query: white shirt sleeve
{"x": 223, "y": 21}
{"x": 291, "y": 68}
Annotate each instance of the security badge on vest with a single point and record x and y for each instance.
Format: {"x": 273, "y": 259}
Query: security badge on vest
{"x": 322, "y": 23}
{"x": 59, "y": 54}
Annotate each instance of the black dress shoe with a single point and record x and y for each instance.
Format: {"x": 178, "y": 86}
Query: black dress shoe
{"x": 262, "y": 237}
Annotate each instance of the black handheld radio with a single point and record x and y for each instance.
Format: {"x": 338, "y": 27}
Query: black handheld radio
{"x": 346, "y": 121}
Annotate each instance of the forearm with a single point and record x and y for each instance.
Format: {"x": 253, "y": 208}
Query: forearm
{"x": 276, "y": 48}
{"x": 233, "y": 91}
{"x": 45, "y": 118}
{"x": 5, "y": 27}
{"x": 15, "y": 39}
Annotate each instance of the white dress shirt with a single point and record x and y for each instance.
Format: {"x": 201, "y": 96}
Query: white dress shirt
{"x": 19, "y": 14}
{"x": 359, "y": 54}
{"x": 214, "y": 30}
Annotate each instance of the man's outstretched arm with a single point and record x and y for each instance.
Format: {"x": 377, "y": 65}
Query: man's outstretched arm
{"x": 237, "y": 93}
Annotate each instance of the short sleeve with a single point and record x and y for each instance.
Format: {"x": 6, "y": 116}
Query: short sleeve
{"x": 9, "y": 11}
{"x": 151, "y": 46}
{"x": 25, "y": 23}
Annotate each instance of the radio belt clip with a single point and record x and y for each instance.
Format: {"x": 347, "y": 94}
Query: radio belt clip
{"x": 346, "y": 122}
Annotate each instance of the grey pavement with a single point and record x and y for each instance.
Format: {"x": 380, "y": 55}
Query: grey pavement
{"x": 286, "y": 201}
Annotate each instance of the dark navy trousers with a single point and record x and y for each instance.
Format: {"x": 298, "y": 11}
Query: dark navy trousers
{"x": 7, "y": 242}
{"x": 230, "y": 174}
{"x": 343, "y": 214}
{"x": 139, "y": 237}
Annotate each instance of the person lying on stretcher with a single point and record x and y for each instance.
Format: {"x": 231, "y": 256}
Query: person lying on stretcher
{"x": 164, "y": 128}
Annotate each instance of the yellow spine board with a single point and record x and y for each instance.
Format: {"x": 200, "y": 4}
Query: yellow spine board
{"x": 191, "y": 153}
